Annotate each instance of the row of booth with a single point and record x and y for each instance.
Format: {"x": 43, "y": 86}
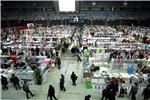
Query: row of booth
{"x": 101, "y": 47}
{"x": 26, "y": 42}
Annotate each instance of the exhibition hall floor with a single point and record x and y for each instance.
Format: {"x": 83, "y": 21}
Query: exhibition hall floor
{"x": 78, "y": 92}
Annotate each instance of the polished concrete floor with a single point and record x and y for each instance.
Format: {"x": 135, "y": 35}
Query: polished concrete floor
{"x": 78, "y": 92}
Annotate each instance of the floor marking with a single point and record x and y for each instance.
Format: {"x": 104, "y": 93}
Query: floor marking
{"x": 66, "y": 69}
{"x": 64, "y": 75}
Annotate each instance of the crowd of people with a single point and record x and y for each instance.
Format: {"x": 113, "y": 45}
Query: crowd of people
{"x": 16, "y": 83}
{"x": 110, "y": 92}
{"x": 74, "y": 43}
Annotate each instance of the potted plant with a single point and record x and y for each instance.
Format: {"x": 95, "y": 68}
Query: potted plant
{"x": 59, "y": 46}
{"x": 38, "y": 76}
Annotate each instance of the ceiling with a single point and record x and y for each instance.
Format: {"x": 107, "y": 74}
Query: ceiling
{"x": 25, "y": 6}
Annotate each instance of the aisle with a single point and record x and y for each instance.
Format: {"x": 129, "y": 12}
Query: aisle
{"x": 72, "y": 92}
{"x": 69, "y": 64}
{"x": 53, "y": 78}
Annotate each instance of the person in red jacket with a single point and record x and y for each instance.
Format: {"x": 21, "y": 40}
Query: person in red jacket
{"x": 13, "y": 57}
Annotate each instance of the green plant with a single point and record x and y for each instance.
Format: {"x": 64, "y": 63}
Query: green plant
{"x": 38, "y": 76}
{"x": 59, "y": 46}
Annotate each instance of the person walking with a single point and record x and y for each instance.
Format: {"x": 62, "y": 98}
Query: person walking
{"x": 27, "y": 90}
{"x": 123, "y": 90}
{"x": 105, "y": 92}
{"x": 37, "y": 51}
{"x": 133, "y": 91}
{"x": 87, "y": 97}
{"x": 61, "y": 83}
{"x": 51, "y": 92}
{"x": 146, "y": 93}
{"x": 73, "y": 78}
{"x": 4, "y": 82}
{"x": 112, "y": 86}
{"x": 116, "y": 85}
{"x": 58, "y": 62}
{"x": 15, "y": 80}
{"x": 112, "y": 94}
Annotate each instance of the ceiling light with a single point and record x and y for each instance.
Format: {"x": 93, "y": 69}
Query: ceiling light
{"x": 125, "y": 3}
{"x": 93, "y": 3}
{"x": 66, "y": 5}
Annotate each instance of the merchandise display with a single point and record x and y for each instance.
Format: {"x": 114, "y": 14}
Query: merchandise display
{"x": 100, "y": 51}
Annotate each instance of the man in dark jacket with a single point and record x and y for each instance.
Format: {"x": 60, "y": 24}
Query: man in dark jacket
{"x": 58, "y": 62}
{"x": 15, "y": 80}
{"x": 146, "y": 93}
{"x": 73, "y": 78}
{"x": 116, "y": 86}
{"x": 112, "y": 94}
{"x": 87, "y": 97}
{"x": 105, "y": 93}
{"x": 66, "y": 45}
{"x": 27, "y": 90}
{"x": 4, "y": 82}
{"x": 133, "y": 91}
{"x": 113, "y": 87}
{"x": 37, "y": 51}
{"x": 62, "y": 82}
{"x": 112, "y": 90}
{"x": 51, "y": 92}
